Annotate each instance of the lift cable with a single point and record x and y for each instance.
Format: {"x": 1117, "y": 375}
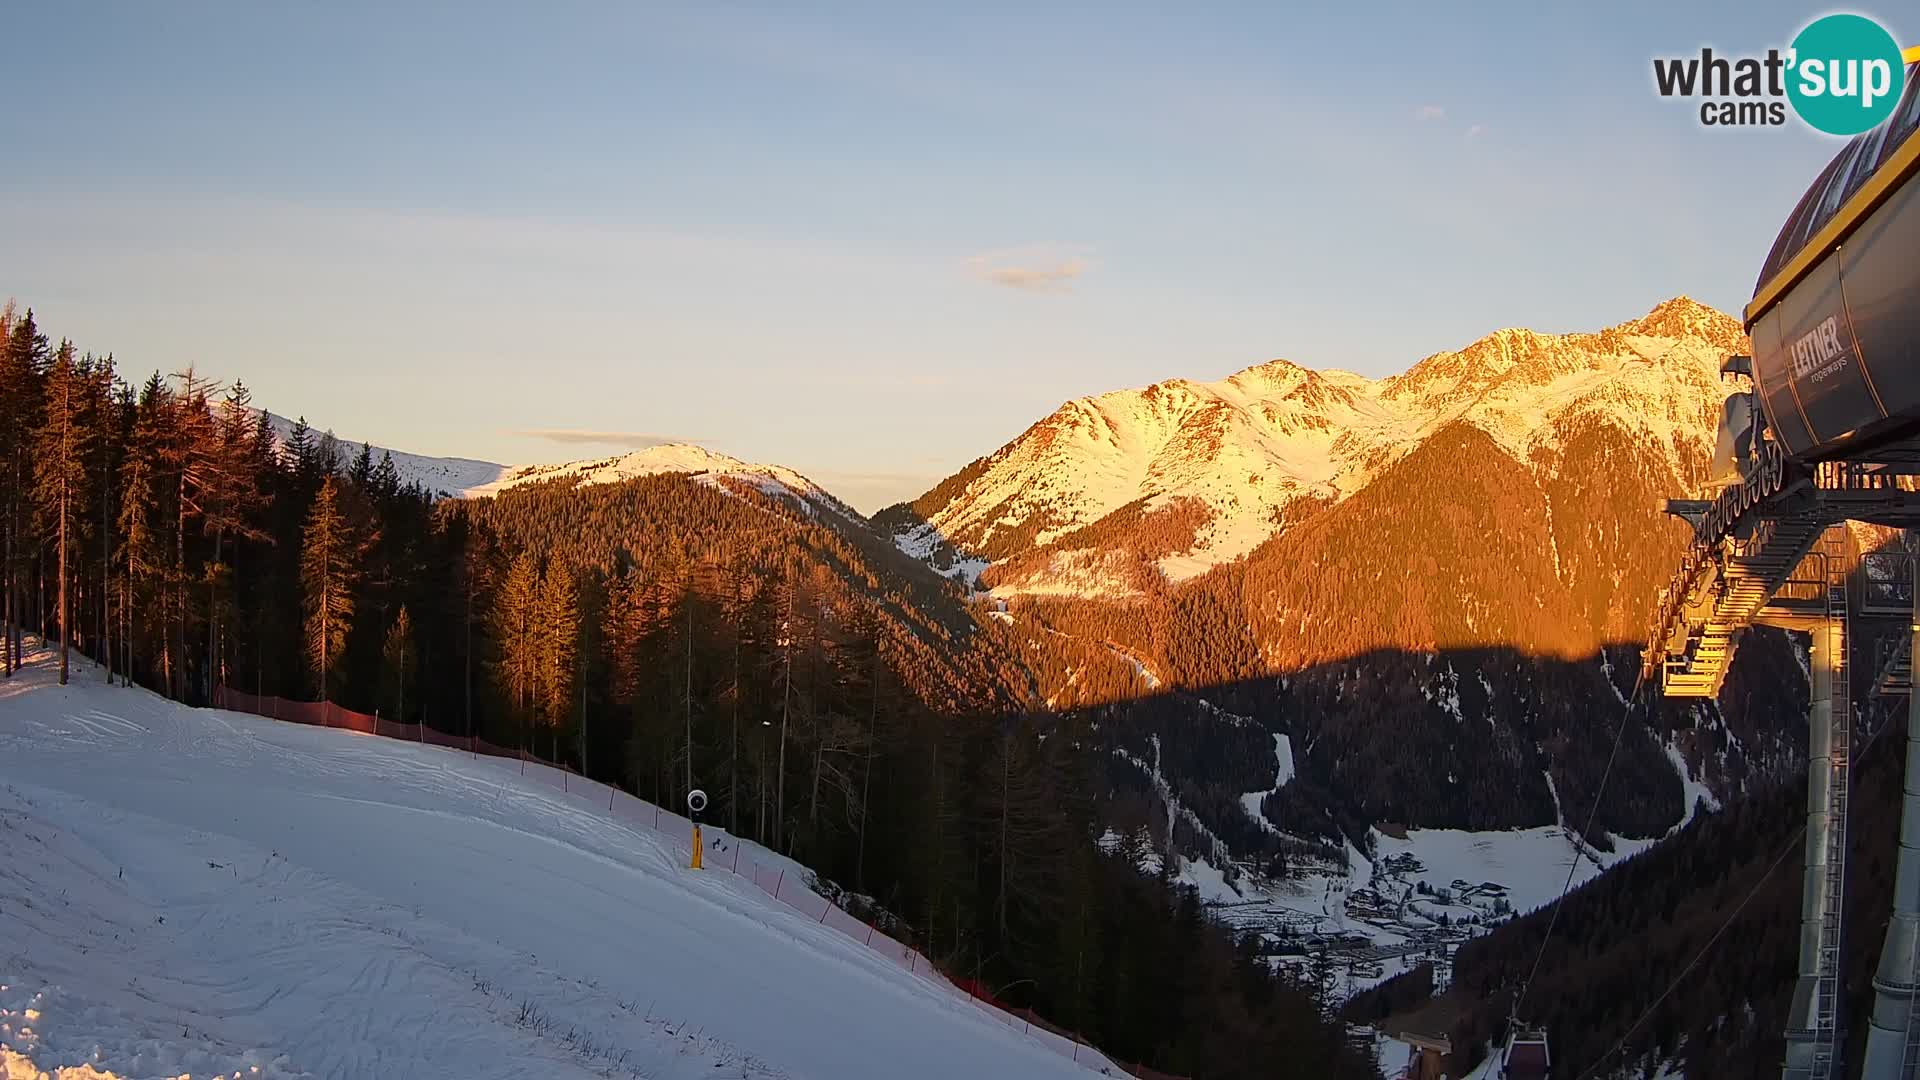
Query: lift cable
{"x": 1798, "y": 834}
{"x": 1779, "y": 857}
{"x": 1573, "y": 864}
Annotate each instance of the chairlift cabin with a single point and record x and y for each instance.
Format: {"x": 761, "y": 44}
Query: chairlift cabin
{"x": 1524, "y": 1057}
{"x": 1832, "y": 318}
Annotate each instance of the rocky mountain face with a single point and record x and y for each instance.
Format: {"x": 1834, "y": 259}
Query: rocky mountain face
{"x": 1432, "y": 584}
{"x": 1173, "y": 479}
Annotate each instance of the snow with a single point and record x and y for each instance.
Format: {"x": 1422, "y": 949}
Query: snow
{"x": 1250, "y": 445}
{"x": 189, "y": 891}
{"x": 1139, "y": 666}
{"x": 469, "y": 478}
{"x": 1283, "y": 757}
{"x": 922, "y": 541}
{"x": 709, "y": 466}
{"x": 444, "y": 476}
{"x": 1209, "y": 881}
{"x": 1531, "y": 864}
{"x": 1391, "y": 1054}
{"x": 1694, "y": 791}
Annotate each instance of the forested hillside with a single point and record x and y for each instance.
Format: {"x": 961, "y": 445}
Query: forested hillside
{"x": 1616, "y": 990}
{"x": 1447, "y": 648}
{"x": 837, "y": 699}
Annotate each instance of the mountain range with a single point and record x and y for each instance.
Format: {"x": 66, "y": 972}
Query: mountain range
{"x": 1429, "y": 584}
{"x": 1178, "y": 477}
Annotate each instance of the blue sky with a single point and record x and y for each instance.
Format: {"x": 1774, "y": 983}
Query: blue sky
{"x": 869, "y": 241}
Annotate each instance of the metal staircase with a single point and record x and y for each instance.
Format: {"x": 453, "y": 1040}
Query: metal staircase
{"x": 1730, "y": 597}
{"x": 1723, "y": 587}
{"x": 1758, "y": 557}
{"x": 1893, "y": 676}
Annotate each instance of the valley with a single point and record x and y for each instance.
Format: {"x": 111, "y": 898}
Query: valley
{"x": 1333, "y": 664}
{"x": 1107, "y": 554}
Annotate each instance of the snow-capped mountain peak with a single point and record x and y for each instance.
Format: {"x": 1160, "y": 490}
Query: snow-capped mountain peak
{"x": 709, "y": 466}
{"x": 471, "y": 478}
{"x": 1207, "y": 471}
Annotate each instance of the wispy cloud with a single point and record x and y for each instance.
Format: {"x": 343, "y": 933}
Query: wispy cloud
{"x": 1032, "y": 269}
{"x": 584, "y": 437}
{"x": 1475, "y": 131}
{"x": 1430, "y": 112}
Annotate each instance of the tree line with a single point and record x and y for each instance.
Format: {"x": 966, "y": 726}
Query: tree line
{"x": 838, "y": 701}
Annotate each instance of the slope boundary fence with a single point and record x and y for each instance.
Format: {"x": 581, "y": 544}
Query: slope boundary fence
{"x": 725, "y": 853}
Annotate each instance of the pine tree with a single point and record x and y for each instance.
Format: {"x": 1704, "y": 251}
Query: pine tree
{"x": 361, "y": 472}
{"x": 60, "y": 455}
{"x": 303, "y": 454}
{"x": 192, "y": 459}
{"x": 397, "y": 664}
{"x": 142, "y": 517}
{"x": 326, "y": 458}
{"x": 516, "y": 614}
{"x": 556, "y": 647}
{"x": 236, "y": 496}
{"x": 6, "y": 536}
{"x": 22, "y": 367}
{"x": 385, "y": 480}
{"x": 329, "y": 572}
{"x": 108, "y": 420}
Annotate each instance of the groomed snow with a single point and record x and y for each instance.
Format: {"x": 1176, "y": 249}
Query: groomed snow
{"x": 187, "y": 891}
{"x": 1530, "y": 863}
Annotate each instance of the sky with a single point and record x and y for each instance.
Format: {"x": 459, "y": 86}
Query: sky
{"x": 872, "y": 242}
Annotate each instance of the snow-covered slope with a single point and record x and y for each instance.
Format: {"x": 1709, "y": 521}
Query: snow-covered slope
{"x": 472, "y": 478}
{"x": 1224, "y": 463}
{"x": 439, "y": 475}
{"x": 191, "y": 891}
{"x": 707, "y": 465}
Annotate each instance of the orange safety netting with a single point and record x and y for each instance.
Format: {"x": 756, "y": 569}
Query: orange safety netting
{"x": 779, "y": 880}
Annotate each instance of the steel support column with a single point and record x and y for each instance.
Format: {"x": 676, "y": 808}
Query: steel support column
{"x": 1893, "y": 1037}
{"x": 1812, "y": 1043}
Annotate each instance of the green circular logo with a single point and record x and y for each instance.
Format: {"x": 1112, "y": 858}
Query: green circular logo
{"x": 1845, "y": 74}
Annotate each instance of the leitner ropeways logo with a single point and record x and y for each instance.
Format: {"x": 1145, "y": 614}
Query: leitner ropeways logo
{"x": 1843, "y": 75}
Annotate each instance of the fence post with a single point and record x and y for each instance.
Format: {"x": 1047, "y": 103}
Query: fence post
{"x": 736, "y": 855}
{"x": 869, "y": 935}
{"x": 779, "y": 881}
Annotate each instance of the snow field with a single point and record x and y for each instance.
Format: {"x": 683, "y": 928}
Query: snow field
{"x": 187, "y": 891}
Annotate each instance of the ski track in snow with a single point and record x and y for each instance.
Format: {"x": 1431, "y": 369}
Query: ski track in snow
{"x": 1283, "y": 759}
{"x": 185, "y": 891}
